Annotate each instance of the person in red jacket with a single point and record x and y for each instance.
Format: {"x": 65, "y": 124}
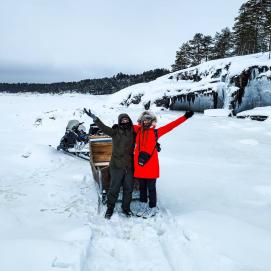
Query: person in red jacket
{"x": 146, "y": 163}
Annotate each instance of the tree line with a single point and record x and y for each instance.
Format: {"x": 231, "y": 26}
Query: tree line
{"x": 250, "y": 34}
{"x": 107, "y": 85}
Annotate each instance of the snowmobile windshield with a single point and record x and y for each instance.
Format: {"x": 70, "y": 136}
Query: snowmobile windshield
{"x": 72, "y": 124}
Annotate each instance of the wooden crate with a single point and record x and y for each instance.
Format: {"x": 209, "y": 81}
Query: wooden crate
{"x": 101, "y": 151}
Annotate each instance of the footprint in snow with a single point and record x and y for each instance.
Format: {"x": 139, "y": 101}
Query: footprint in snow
{"x": 26, "y": 154}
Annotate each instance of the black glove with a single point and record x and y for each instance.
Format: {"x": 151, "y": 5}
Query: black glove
{"x": 88, "y": 112}
{"x": 188, "y": 114}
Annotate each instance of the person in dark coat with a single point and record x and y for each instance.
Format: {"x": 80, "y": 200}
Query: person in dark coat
{"x": 121, "y": 164}
{"x": 146, "y": 162}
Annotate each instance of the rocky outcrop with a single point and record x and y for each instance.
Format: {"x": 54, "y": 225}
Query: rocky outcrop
{"x": 253, "y": 88}
{"x": 237, "y": 83}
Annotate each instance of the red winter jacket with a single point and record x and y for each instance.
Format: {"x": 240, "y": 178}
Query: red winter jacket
{"x": 147, "y": 144}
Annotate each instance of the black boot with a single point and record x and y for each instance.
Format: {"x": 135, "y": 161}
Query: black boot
{"x": 127, "y": 212}
{"x": 108, "y": 213}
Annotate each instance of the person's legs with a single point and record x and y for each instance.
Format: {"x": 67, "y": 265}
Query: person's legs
{"x": 151, "y": 184}
{"x": 128, "y": 185}
{"x": 152, "y": 209}
{"x": 143, "y": 197}
{"x": 143, "y": 190}
{"x": 116, "y": 178}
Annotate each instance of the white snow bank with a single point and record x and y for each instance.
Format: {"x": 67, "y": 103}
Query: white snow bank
{"x": 258, "y": 111}
{"x": 217, "y": 112}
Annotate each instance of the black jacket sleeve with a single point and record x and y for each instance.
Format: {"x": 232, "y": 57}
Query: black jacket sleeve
{"x": 107, "y": 130}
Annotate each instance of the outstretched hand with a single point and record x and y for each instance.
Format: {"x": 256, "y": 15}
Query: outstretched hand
{"x": 88, "y": 112}
{"x": 189, "y": 114}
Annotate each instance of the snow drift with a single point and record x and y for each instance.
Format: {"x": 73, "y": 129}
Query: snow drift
{"x": 236, "y": 83}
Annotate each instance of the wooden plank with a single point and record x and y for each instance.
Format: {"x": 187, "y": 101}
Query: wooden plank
{"x": 101, "y": 158}
{"x": 98, "y": 150}
{"x": 101, "y": 143}
{"x": 104, "y": 145}
{"x": 100, "y": 164}
{"x": 101, "y": 152}
{"x": 99, "y": 136}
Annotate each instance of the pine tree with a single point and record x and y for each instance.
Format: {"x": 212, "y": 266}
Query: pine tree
{"x": 196, "y": 45}
{"x": 193, "y": 52}
{"x": 267, "y": 25}
{"x": 243, "y": 30}
{"x": 182, "y": 58}
{"x": 207, "y": 47}
{"x": 223, "y": 44}
{"x": 268, "y": 32}
{"x": 201, "y": 48}
{"x": 251, "y": 27}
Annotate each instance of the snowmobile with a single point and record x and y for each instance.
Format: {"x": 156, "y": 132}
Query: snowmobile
{"x": 100, "y": 151}
{"x": 75, "y": 140}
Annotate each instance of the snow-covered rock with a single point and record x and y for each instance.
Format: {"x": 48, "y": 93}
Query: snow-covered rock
{"x": 258, "y": 113}
{"x": 236, "y": 83}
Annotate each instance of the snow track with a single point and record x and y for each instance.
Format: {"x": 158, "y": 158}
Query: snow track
{"x": 158, "y": 243}
{"x": 128, "y": 244}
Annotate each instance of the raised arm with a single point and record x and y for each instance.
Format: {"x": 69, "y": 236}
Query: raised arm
{"x": 107, "y": 130}
{"x": 170, "y": 126}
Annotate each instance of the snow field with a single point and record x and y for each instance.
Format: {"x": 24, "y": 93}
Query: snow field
{"x": 214, "y": 194}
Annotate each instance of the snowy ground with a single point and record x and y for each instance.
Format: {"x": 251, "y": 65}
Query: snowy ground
{"x": 214, "y": 195}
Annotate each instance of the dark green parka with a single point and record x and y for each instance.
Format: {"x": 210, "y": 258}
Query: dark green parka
{"x": 122, "y": 143}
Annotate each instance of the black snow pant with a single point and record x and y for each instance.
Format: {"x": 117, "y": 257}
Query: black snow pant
{"x": 148, "y": 186}
{"x": 118, "y": 178}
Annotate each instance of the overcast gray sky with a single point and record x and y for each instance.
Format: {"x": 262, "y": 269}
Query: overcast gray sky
{"x": 69, "y": 40}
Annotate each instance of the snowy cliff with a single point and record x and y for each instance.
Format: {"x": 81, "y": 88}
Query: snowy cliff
{"x": 237, "y": 83}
